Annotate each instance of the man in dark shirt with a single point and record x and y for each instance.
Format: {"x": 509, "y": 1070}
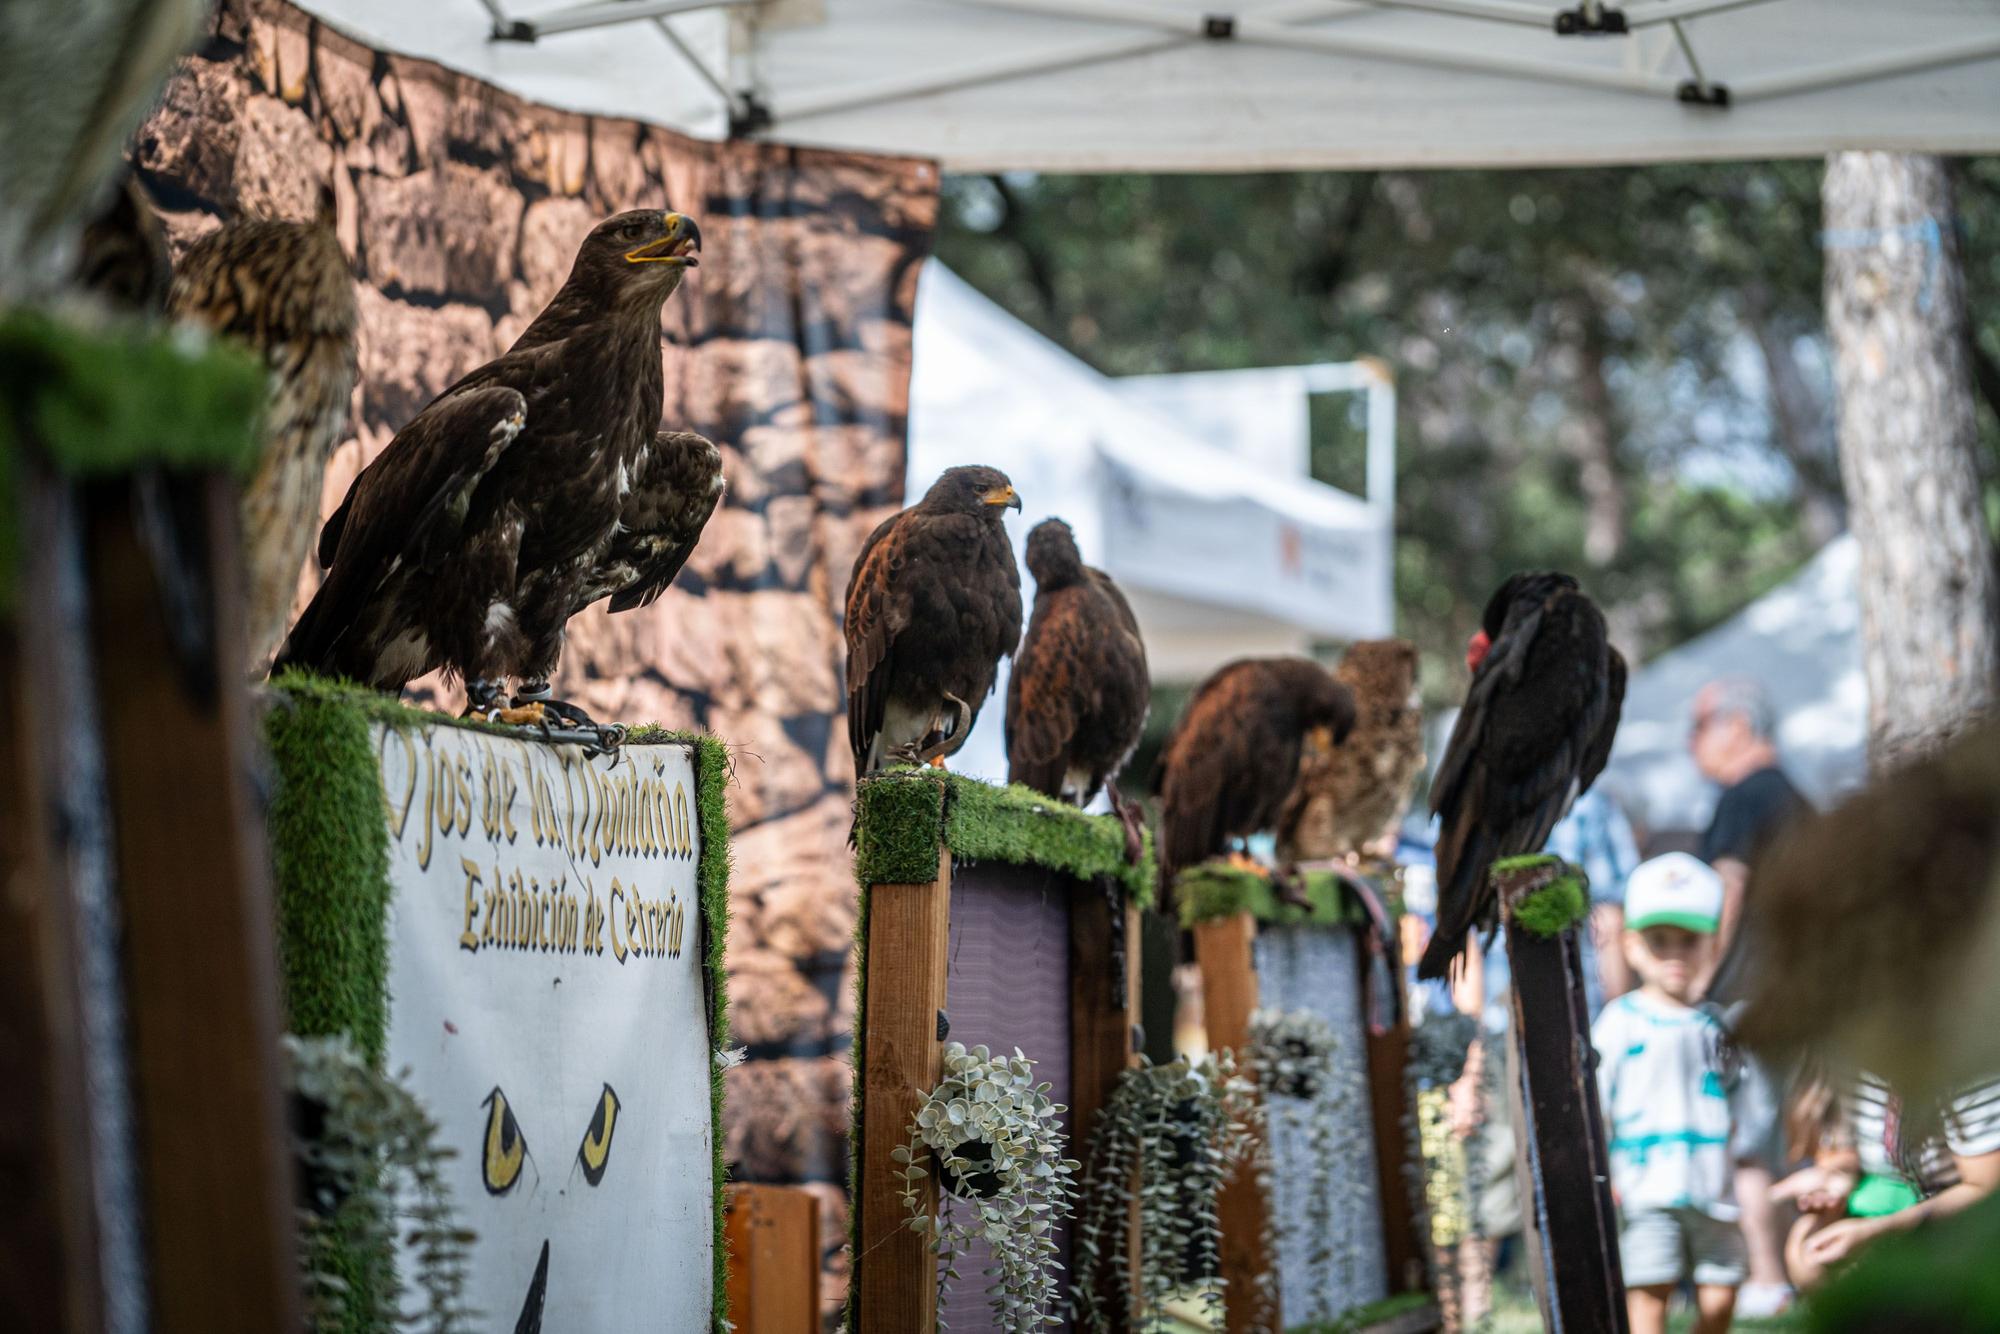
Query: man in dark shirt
{"x": 1732, "y": 745}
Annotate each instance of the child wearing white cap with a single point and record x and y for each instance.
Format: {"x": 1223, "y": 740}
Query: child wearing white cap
{"x": 1665, "y": 1092}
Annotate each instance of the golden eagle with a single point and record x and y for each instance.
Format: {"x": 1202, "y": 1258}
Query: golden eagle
{"x": 1233, "y": 757}
{"x": 1535, "y": 732}
{"x": 1078, "y": 694}
{"x": 933, "y": 604}
{"x": 534, "y": 485}
{"x": 284, "y": 290}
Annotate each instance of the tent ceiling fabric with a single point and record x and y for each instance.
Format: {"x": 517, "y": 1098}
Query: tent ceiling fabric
{"x": 1201, "y": 85}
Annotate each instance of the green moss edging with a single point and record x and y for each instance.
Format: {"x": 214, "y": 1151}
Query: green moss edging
{"x": 1215, "y": 889}
{"x": 902, "y": 814}
{"x": 102, "y": 401}
{"x": 330, "y": 849}
{"x": 1556, "y": 906}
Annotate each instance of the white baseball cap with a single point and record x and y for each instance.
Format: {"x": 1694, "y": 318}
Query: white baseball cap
{"x": 1674, "y": 889}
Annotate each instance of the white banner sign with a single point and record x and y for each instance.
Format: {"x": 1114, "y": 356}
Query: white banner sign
{"x": 546, "y": 993}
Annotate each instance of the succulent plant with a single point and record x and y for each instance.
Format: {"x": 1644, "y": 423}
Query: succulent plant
{"x": 990, "y": 1131}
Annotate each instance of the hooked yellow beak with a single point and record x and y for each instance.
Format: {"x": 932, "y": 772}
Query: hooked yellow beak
{"x": 676, "y": 248}
{"x": 1002, "y": 495}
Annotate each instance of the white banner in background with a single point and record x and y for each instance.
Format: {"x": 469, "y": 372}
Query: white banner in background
{"x": 546, "y": 994}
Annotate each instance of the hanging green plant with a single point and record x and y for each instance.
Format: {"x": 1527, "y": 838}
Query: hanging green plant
{"x": 370, "y": 1166}
{"x": 1165, "y": 1142}
{"x": 989, "y": 1131}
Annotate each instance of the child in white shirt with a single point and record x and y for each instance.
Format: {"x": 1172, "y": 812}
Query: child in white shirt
{"x": 1665, "y": 1093}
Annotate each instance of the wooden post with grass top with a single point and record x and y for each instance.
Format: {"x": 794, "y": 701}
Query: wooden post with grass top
{"x": 908, "y": 930}
{"x": 773, "y": 1236}
{"x": 1104, "y": 1007}
{"x": 1229, "y": 997}
{"x": 1561, "y": 1152}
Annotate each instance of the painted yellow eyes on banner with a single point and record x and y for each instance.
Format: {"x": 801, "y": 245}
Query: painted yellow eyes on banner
{"x": 506, "y": 1149}
{"x": 595, "y": 1151}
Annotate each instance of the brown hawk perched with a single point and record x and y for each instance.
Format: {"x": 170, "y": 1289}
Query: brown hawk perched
{"x": 933, "y": 604}
{"x": 1350, "y": 794}
{"x": 535, "y": 485}
{"x": 1233, "y": 757}
{"x": 284, "y": 290}
{"x": 1535, "y": 732}
{"x": 1078, "y": 694}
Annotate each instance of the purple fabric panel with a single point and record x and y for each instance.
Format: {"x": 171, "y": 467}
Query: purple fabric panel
{"x": 1007, "y": 986}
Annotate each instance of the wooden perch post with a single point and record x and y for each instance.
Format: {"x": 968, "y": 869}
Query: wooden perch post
{"x": 773, "y": 1259}
{"x": 1561, "y": 1151}
{"x": 1229, "y": 995}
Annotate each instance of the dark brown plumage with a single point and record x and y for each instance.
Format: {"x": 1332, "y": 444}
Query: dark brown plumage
{"x": 1349, "y": 795}
{"x": 283, "y": 289}
{"x": 674, "y": 493}
{"x": 1233, "y": 757}
{"x": 1079, "y": 691}
{"x": 495, "y": 513}
{"x": 1534, "y": 734}
{"x": 933, "y": 604}
{"x": 1871, "y": 933}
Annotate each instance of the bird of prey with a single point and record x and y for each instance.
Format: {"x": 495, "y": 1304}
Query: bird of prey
{"x": 933, "y": 604}
{"x": 1233, "y": 757}
{"x": 673, "y": 495}
{"x": 1348, "y": 795}
{"x": 1078, "y": 693}
{"x": 1870, "y": 934}
{"x": 499, "y": 510}
{"x": 1534, "y": 734}
{"x": 282, "y": 289}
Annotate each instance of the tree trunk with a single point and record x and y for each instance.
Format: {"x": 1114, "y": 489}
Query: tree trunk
{"x": 1895, "y": 311}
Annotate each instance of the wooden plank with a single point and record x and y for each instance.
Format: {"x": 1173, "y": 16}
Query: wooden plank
{"x": 773, "y": 1234}
{"x": 1403, "y": 1222}
{"x": 1578, "y": 1280}
{"x": 1104, "y": 978}
{"x": 52, "y": 1270}
{"x": 199, "y": 943}
{"x": 1229, "y": 995}
{"x": 908, "y": 935}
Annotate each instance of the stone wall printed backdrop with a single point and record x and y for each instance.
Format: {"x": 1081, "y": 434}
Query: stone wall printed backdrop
{"x": 461, "y": 207}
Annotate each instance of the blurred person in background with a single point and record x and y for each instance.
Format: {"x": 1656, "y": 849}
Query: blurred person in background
{"x": 1731, "y": 739}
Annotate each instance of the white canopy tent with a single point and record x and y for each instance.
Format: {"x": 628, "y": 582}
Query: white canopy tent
{"x": 1214, "y": 85}
{"x": 1802, "y": 643}
{"x": 1220, "y": 555}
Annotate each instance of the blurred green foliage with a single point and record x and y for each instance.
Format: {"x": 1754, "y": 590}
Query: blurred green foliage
{"x": 1619, "y": 372}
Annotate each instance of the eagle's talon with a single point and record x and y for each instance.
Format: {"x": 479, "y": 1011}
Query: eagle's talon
{"x": 1133, "y": 818}
{"x": 520, "y": 715}
{"x": 1291, "y": 888}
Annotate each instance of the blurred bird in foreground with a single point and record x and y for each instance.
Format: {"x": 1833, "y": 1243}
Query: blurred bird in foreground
{"x": 282, "y": 289}
{"x": 1535, "y": 732}
{"x": 1348, "y": 796}
{"x": 1871, "y": 933}
{"x": 1233, "y": 758}
{"x": 933, "y": 604}
{"x": 1079, "y": 691}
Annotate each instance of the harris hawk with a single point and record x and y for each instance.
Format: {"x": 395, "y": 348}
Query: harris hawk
{"x": 1233, "y": 757}
{"x": 933, "y": 604}
{"x": 530, "y": 486}
{"x": 1534, "y": 734}
{"x": 1078, "y": 694}
{"x": 1349, "y": 795}
{"x": 282, "y": 289}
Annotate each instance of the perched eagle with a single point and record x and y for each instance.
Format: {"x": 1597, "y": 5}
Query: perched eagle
{"x": 534, "y": 485}
{"x": 1349, "y": 795}
{"x": 1533, "y": 736}
{"x": 1233, "y": 757}
{"x": 933, "y": 604}
{"x": 283, "y": 289}
{"x": 1077, "y": 697}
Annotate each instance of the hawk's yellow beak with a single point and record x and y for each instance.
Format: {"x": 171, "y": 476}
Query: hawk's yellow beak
{"x": 1002, "y": 495}
{"x": 677, "y": 247}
